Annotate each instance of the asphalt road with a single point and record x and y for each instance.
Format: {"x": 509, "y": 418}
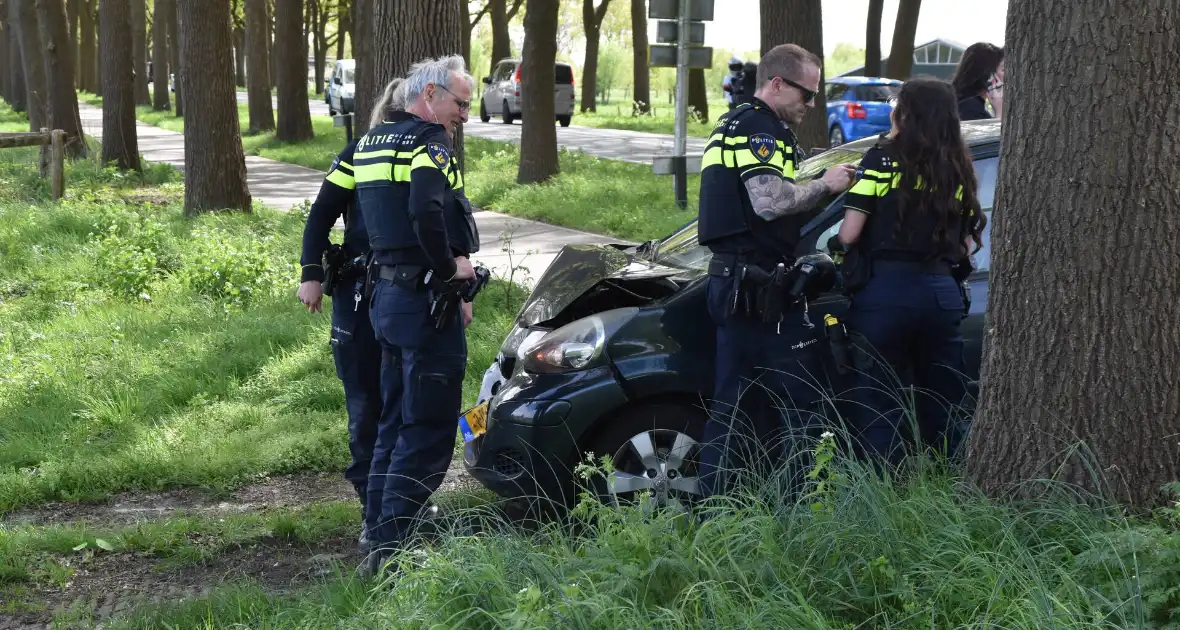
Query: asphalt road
{"x": 615, "y": 144}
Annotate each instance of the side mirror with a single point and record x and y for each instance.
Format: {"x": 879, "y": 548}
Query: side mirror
{"x": 487, "y": 80}
{"x": 337, "y": 81}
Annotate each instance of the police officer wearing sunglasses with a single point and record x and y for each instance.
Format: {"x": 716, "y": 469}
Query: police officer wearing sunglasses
{"x": 751, "y": 211}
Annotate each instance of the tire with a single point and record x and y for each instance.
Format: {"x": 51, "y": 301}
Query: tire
{"x": 484, "y": 116}
{"x": 673, "y": 431}
{"x": 332, "y": 111}
{"x": 506, "y": 114}
{"x": 564, "y": 120}
{"x": 835, "y": 136}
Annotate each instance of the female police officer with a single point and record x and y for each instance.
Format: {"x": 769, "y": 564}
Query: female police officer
{"x": 354, "y": 347}
{"x": 915, "y": 214}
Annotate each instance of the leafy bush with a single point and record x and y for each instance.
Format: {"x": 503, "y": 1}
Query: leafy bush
{"x": 228, "y": 268}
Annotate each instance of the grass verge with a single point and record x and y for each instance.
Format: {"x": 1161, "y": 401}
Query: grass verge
{"x": 854, "y": 551}
{"x": 143, "y": 351}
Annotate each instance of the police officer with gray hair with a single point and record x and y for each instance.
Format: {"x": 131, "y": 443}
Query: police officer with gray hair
{"x": 409, "y": 189}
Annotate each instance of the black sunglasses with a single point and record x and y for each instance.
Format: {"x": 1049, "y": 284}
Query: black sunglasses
{"x": 808, "y": 95}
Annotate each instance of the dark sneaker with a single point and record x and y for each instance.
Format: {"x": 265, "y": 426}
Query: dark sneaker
{"x": 362, "y": 542}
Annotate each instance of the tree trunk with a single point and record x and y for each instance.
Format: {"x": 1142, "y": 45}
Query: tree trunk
{"x": 294, "y": 120}
{"x": 901, "y": 52}
{"x": 319, "y": 40}
{"x": 239, "y": 56}
{"x": 270, "y": 43}
{"x": 698, "y": 95}
{"x": 501, "y": 41}
{"x": 32, "y": 62}
{"x": 174, "y": 49}
{"x": 116, "y": 43}
{"x": 799, "y": 22}
{"x": 73, "y": 9}
{"x": 873, "y": 39}
{"x": 215, "y": 167}
{"x": 538, "y": 135}
{"x": 642, "y": 74}
{"x": 87, "y": 47}
{"x": 18, "y": 88}
{"x": 592, "y": 24}
{"x": 139, "y": 52}
{"x": 343, "y": 26}
{"x": 368, "y": 85}
{"x": 1100, "y": 375}
{"x": 262, "y": 117}
{"x": 160, "y": 18}
{"x": 465, "y": 20}
{"x": 59, "y": 75}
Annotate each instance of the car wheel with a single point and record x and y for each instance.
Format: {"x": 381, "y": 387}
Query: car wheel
{"x": 653, "y": 448}
{"x": 484, "y": 116}
{"x": 332, "y": 111}
{"x": 836, "y": 136}
{"x": 506, "y": 114}
{"x": 564, "y": 120}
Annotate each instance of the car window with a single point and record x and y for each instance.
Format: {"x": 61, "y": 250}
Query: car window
{"x": 348, "y": 75}
{"x": 835, "y": 92}
{"x": 565, "y": 74}
{"x": 985, "y": 172}
{"x": 876, "y": 93}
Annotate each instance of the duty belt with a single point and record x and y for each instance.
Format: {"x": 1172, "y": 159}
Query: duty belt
{"x": 934, "y": 267}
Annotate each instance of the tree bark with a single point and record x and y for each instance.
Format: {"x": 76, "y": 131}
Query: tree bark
{"x": 642, "y": 74}
{"x": 270, "y": 42}
{"x": 1091, "y": 394}
{"x": 262, "y": 117}
{"x": 294, "y": 119}
{"x": 239, "y": 56}
{"x": 343, "y": 27}
{"x": 538, "y": 135}
{"x": 59, "y": 75}
{"x": 215, "y": 166}
{"x": 368, "y": 85}
{"x": 799, "y": 22}
{"x": 319, "y": 38}
{"x": 698, "y": 95}
{"x": 32, "y": 62}
{"x": 139, "y": 52}
{"x": 500, "y": 16}
{"x": 161, "y": 16}
{"x": 592, "y": 25}
{"x": 465, "y": 17}
{"x": 174, "y": 49}
{"x": 18, "y": 89}
{"x": 901, "y": 52}
{"x": 73, "y": 9}
{"x": 87, "y": 47}
{"x": 873, "y": 39}
{"x": 116, "y": 44}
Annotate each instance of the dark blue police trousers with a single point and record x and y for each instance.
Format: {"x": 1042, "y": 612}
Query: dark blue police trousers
{"x": 358, "y": 365}
{"x": 422, "y": 373}
{"x": 767, "y": 382}
{"x": 910, "y": 327}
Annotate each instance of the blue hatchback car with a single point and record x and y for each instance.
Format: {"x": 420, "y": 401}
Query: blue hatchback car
{"x": 859, "y": 107}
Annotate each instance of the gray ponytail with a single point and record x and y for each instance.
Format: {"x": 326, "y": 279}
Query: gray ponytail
{"x": 392, "y": 96}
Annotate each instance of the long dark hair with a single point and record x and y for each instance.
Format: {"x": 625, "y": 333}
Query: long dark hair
{"x": 980, "y": 61}
{"x": 929, "y": 148}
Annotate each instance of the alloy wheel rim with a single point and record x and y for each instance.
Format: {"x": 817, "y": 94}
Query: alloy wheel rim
{"x": 659, "y": 461}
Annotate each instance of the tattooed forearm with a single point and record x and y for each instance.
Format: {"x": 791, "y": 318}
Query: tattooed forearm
{"x": 774, "y": 197}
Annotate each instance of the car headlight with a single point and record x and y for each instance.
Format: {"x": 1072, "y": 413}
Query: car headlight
{"x": 579, "y": 345}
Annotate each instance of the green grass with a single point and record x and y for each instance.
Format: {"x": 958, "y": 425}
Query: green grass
{"x": 924, "y": 552}
{"x": 143, "y": 351}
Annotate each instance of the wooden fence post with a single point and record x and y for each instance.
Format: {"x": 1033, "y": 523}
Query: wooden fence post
{"x": 57, "y": 171}
{"x": 44, "y": 157}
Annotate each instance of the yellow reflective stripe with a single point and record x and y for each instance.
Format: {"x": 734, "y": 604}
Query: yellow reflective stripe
{"x": 712, "y": 157}
{"x": 421, "y": 160}
{"x": 345, "y": 165}
{"x": 390, "y": 153}
{"x": 382, "y": 171}
{"x": 959, "y": 196}
{"x": 866, "y": 187}
{"x": 342, "y": 179}
{"x": 746, "y": 157}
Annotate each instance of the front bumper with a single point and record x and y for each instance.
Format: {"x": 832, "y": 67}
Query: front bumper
{"x": 347, "y": 104}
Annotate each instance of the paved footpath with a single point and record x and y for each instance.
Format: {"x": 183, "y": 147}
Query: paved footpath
{"x": 281, "y": 185}
{"x": 638, "y": 147}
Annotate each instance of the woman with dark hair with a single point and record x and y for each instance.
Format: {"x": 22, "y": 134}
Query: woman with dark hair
{"x": 978, "y": 79}
{"x": 914, "y": 216}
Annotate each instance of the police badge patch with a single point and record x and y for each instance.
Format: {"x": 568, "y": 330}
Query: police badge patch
{"x": 762, "y": 145}
{"x": 438, "y": 153}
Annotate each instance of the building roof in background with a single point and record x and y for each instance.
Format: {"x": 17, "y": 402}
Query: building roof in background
{"x": 937, "y": 57}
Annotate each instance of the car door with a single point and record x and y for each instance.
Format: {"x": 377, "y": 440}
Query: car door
{"x": 495, "y": 95}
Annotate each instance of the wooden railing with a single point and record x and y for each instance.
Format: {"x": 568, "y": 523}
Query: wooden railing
{"x": 53, "y": 146}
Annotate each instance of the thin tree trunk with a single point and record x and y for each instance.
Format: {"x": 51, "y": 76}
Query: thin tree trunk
{"x": 262, "y": 116}
{"x": 32, "y": 60}
{"x": 18, "y": 89}
{"x": 161, "y": 16}
{"x": 319, "y": 40}
{"x": 1090, "y": 395}
{"x": 368, "y": 85}
{"x": 73, "y": 9}
{"x": 116, "y": 42}
{"x": 501, "y": 42}
{"x": 465, "y": 17}
{"x": 270, "y": 39}
{"x": 873, "y": 39}
{"x": 592, "y": 25}
{"x": 698, "y": 95}
{"x": 87, "y": 46}
{"x": 215, "y": 166}
{"x": 139, "y": 51}
{"x": 642, "y": 74}
{"x": 800, "y": 22}
{"x": 538, "y": 135}
{"x": 239, "y": 56}
{"x": 59, "y": 75}
{"x": 174, "y": 49}
{"x": 901, "y": 52}
{"x": 294, "y": 119}
{"x": 343, "y": 26}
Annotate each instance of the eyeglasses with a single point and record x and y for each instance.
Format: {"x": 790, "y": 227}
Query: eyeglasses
{"x": 458, "y": 101}
{"x": 808, "y": 95}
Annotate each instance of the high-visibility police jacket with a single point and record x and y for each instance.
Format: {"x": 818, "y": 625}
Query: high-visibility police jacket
{"x": 877, "y": 192}
{"x": 336, "y": 197}
{"x": 748, "y": 141}
{"x": 410, "y": 193}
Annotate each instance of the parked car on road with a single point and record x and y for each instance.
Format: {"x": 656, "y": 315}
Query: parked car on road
{"x": 613, "y": 353}
{"x": 340, "y": 95}
{"x": 859, "y": 107}
{"x": 502, "y": 94}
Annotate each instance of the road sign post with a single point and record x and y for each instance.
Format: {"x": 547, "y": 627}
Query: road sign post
{"x": 680, "y": 178}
